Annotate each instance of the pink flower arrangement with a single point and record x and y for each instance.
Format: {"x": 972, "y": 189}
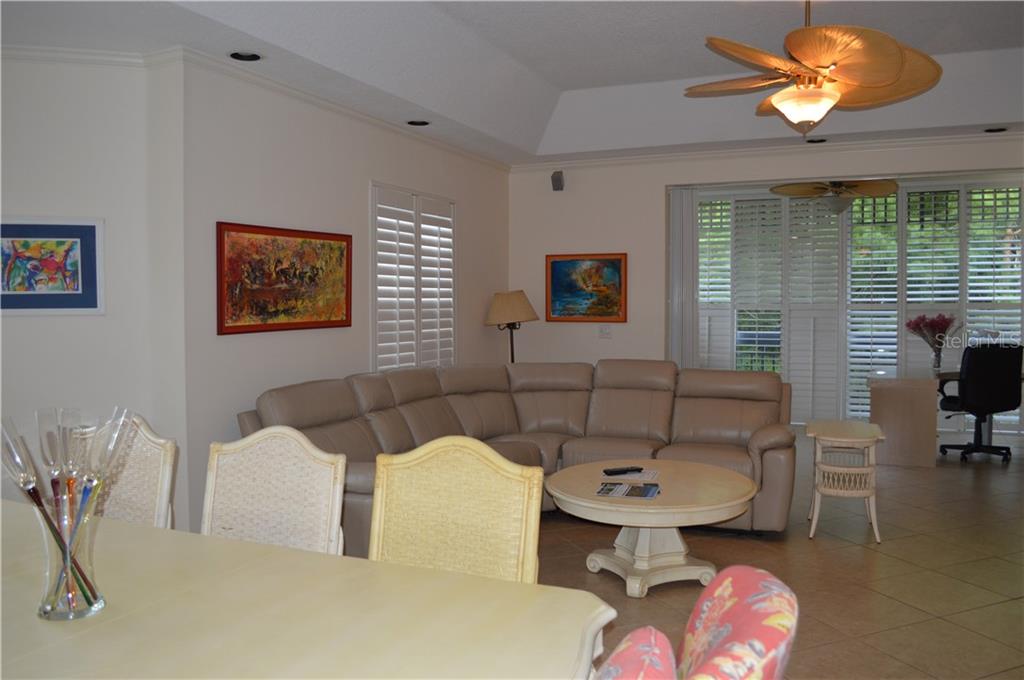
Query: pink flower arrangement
{"x": 933, "y": 330}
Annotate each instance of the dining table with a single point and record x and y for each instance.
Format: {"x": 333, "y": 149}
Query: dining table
{"x": 180, "y": 604}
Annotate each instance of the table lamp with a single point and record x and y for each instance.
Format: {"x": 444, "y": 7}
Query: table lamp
{"x": 509, "y": 310}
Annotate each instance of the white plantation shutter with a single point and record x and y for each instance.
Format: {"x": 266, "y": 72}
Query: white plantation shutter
{"x": 872, "y": 316}
{"x": 714, "y": 283}
{"x": 757, "y": 283}
{"x": 813, "y": 295}
{"x": 933, "y": 247}
{"x": 415, "y": 279}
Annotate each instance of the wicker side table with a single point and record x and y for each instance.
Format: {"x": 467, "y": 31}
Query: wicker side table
{"x": 846, "y": 478}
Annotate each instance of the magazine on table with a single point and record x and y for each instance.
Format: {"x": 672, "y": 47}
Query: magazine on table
{"x": 626, "y": 490}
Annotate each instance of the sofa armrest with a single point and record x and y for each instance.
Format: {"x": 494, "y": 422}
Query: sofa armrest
{"x": 766, "y": 438}
{"x": 249, "y": 422}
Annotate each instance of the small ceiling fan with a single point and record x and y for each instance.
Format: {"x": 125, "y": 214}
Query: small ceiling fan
{"x": 838, "y": 195}
{"x": 845, "y": 67}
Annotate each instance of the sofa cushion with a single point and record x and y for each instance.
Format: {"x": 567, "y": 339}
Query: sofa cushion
{"x": 429, "y": 419}
{"x": 549, "y": 444}
{"x": 521, "y": 453}
{"x": 373, "y": 393}
{"x": 728, "y": 456}
{"x": 646, "y": 414}
{"x": 532, "y": 377}
{"x": 355, "y": 438}
{"x": 716, "y": 384}
{"x": 561, "y": 412}
{"x": 472, "y": 379}
{"x": 589, "y": 449}
{"x": 359, "y": 477}
{"x": 485, "y": 414}
{"x": 720, "y": 421}
{"x": 635, "y": 374}
{"x": 412, "y": 384}
{"x": 307, "y": 404}
{"x": 391, "y": 430}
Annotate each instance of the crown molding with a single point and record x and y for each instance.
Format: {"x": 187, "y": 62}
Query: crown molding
{"x": 71, "y": 56}
{"x": 866, "y": 146}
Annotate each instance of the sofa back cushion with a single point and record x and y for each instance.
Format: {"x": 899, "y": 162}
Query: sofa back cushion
{"x": 724, "y": 407}
{"x": 479, "y": 396}
{"x": 377, "y": 404}
{"x": 632, "y": 398}
{"x": 326, "y": 411}
{"x": 418, "y": 397}
{"x": 551, "y": 397}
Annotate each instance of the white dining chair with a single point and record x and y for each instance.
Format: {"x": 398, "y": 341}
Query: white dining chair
{"x": 140, "y": 485}
{"x": 275, "y": 486}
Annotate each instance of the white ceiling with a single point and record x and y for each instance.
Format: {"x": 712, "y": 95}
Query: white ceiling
{"x": 532, "y": 81}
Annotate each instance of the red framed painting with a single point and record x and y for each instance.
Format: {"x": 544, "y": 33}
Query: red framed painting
{"x": 271, "y": 279}
{"x": 586, "y": 287}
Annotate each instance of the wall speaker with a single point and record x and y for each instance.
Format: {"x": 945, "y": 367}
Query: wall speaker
{"x": 557, "y": 181}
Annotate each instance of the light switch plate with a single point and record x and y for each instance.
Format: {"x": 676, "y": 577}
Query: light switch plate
{"x": 604, "y": 331}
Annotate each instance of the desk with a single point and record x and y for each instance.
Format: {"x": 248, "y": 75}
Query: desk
{"x": 185, "y": 605}
{"x": 906, "y": 410}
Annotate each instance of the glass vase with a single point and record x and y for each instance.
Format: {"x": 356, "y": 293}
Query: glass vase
{"x": 76, "y": 455}
{"x": 936, "y": 361}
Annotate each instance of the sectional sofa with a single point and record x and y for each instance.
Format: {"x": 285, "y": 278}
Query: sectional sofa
{"x": 552, "y": 415}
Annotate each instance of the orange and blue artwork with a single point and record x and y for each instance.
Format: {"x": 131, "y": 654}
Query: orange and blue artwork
{"x": 586, "y": 287}
{"x": 51, "y": 268}
{"x": 272, "y": 279}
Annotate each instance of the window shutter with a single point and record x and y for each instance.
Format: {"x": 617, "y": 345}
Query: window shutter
{"x": 414, "y": 261}
{"x": 714, "y": 294}
{"x": 437, "y": 283}
{"x": 813, "y": 328}
{"x": 933, "y": 247}
{"x": 757, "y": 284}
{"x": 872, "y": 318}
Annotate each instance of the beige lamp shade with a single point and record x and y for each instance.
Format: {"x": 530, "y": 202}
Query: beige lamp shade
{"x": 510, "y": 307}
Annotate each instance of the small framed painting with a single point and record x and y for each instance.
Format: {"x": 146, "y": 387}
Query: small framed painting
{"x": 51, "y": 266}
{"x": 271, "y": 279}
{"x": 590, "y": 287}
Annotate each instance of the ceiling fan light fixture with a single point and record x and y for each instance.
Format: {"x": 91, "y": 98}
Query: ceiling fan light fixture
{"x": 804, "y": 106}
{"x": 837, "y": 204}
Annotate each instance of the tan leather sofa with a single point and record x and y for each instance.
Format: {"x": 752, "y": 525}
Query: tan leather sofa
{"x": 552, "y": 415}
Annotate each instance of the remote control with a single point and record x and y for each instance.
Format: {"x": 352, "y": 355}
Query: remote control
{"x": 611, "y": 472}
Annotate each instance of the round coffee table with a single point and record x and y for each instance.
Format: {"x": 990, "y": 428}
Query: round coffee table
{"x": 649, "y": 549}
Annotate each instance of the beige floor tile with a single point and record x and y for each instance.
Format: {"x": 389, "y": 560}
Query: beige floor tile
{"x": 928, "y": 551}
{"x": 848, "y": 660}
{"x": 1016, "y": 558}
{"x": 984, "y": 539}
{"x": 553, "y": 545}
{"x": 863, "y": 564}
{"x": 726, "y": 548}
{"x": 1012, "y": 674}
{"x": 993, "y": 573}
{"x": 935, "y": 593}
{"x": 813, "y": 633}
{"x": 1003, "y": 622}
{"x": 945, "y": 650}
{"x": 855, "y": 611}
{"x": 804, "y": 574}
{"x": 921, "y": 520}
{"x": 795, "y": 541}
{"x": 858, "y": 530}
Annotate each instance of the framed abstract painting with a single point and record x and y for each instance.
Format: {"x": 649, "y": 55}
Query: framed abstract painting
{"x": 589, "y": 287}
{"x": 51, "y": 266}
{"x": 272, "y": 279}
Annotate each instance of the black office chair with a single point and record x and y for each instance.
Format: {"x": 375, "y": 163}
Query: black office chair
{"x": 989, "y": 383}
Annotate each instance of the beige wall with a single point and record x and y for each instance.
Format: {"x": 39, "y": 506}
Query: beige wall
{"x": 257, "y": 155}
{"x": 621, "y": 206}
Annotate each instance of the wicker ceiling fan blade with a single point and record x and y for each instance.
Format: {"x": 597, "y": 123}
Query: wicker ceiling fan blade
{"x": 765, "y": 107}
{"x": 920, "y": 74}
{"x": 870, "y": 188}
{"x": 860, "y": 56}
{"x": 738, "y": 85}
{"x": 758, "y": 58}
{"x": 802, "y": 189}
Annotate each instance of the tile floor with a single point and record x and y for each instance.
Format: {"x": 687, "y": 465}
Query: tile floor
{"x": 941, "y": 597}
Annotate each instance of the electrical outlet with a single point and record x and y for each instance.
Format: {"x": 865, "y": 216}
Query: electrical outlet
{"x": 604, "y": 332}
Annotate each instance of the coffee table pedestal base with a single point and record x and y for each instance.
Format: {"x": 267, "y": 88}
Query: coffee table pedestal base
{"x": 645, "y": 557}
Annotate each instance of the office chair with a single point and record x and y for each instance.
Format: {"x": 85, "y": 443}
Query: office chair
{"x": 989, "y": 383}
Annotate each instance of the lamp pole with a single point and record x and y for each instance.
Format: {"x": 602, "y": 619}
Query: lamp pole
{"x": 512, "y": 328}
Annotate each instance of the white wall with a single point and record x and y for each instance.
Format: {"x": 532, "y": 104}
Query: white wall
{"x": 621, "y": 206}
{"x": 258, "y": 155}
{"x": 162, "y": 153}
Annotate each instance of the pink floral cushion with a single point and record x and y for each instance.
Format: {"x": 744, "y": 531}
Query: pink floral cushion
{"x": 644, "y": 654}
{"x": 741, "y": 627}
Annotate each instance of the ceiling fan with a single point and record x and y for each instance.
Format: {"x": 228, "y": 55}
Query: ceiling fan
{"x": 845, "y": 67}
{"x": 838, "y": 195}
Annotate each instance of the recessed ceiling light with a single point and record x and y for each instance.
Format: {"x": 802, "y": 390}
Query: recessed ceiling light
{"x": 418, "y": 123}
{"x": 245, "y": 56}
{"x": 816, "y": 140}
{"x": 995, "y": 129}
